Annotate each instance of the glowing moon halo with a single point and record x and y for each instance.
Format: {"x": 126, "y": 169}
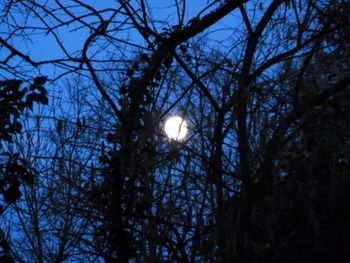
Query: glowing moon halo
{"x": 176, "y": 128}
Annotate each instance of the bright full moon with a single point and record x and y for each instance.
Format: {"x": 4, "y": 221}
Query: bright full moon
{"x": 176, "y": 128}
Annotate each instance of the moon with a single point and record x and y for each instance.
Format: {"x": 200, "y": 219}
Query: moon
{"x": 176, "y": 128}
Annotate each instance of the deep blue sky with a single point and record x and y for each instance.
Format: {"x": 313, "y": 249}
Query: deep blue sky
{"x": 41, "y": 46}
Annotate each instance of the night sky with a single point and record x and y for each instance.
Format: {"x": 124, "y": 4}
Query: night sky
{"x": 175, "y": 131}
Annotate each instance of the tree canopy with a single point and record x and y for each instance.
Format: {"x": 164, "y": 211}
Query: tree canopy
{"x": 88, "y": 174}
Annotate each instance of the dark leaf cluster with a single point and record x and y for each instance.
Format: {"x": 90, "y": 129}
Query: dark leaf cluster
{"x": 13, "y": 102}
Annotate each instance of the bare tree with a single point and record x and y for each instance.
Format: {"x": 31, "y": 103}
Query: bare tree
{"x": 117, "y": 188}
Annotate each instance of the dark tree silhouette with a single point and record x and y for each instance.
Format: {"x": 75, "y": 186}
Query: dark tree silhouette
{"x": 15, "y": 170}
{"x": 261, "y": 175}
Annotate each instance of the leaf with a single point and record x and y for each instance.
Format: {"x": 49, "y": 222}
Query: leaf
{"x": 33, "y": 97}
{"x": 28, "y": 178}
{"x": 39, "y": 81}
{"x": 183, "y": 48}
{"x": 261, "y": 7}
{"x": 29, "y": 104}
{"x": 12, "y": 194}
{"x": 43, "y": 99}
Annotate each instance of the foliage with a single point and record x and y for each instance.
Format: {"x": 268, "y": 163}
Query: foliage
{"x": 15, "y": 170}
{"x": 262, "y": 175}
{"x": 13, "y": 103}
